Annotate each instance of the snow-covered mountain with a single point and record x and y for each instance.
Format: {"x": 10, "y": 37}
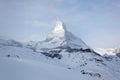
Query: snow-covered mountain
{"x": 10, "y": 42}
{"x": 108, "y": 51}
{"x": 103, "y": 51}
{"x": 61, "y": 37}
{"x": 61, "y": 56}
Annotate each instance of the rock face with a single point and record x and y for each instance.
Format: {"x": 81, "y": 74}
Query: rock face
{"x": 59, "y": 36}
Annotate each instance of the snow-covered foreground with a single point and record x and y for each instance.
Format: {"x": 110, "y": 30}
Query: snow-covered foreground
{"x": 24, "y": 64}
{"x": 20, "y": 69}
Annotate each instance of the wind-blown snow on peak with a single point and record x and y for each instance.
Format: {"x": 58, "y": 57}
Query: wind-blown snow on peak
{"x": 59, "y": 27}
{"x": 61, "y": 37}
{"x": 58, "y": 31}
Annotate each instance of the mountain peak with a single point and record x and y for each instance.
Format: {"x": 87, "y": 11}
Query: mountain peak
{"x": 59, "y": 26}
{"x": 58, "y": 31}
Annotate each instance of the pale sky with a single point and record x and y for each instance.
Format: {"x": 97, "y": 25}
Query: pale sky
{"x": 96, "y": 22}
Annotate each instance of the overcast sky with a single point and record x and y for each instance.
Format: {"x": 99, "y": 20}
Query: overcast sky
{"x": 96, "y": 22}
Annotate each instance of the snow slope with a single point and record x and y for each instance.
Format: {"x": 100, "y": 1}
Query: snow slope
{"x": 12, "y": 69}
{"x": 20, "y": 63}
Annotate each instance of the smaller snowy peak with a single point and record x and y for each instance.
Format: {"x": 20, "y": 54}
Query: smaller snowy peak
{"x": 10, "y": 43}
{"x": 103, "y": 51}
{"x": 116, "y": 50}
{"x": 108, "y": 51}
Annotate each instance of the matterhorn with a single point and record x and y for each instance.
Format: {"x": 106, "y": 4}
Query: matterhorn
{"x": 60, "y": 37}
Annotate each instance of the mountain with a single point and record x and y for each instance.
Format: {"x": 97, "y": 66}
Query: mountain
{"x": 108, "y": 52}
{"x": 59, "y": 36}
{"x": 9, "y": 42}
{"x": 61, "y": 56}
{"x": 59, "y": 39}
{"x": 102, "y": 51}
